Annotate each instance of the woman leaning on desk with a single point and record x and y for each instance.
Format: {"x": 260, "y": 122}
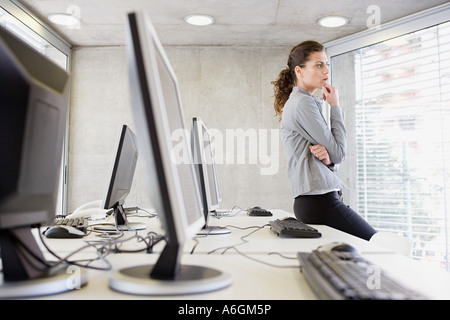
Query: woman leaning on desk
{"x": 313, "y": 149}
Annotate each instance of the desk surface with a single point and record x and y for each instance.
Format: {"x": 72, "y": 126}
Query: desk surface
{"x": 258, "y": 238}
{"x": 264, "y": 267}
{"x": 248, "y": 234}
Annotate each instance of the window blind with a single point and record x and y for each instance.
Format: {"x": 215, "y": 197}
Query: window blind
{"x": 403, "y": 139}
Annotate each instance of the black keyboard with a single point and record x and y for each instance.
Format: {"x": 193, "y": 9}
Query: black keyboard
{"x": 259, "y": 212}
{"x": 341, "y": 275}
{"x": 292, "y": 227}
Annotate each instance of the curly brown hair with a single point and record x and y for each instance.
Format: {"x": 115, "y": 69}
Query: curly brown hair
{"x": 298, "y": 56}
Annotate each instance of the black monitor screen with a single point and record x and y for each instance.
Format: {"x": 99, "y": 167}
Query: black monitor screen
{"x": 122, "y": 173}
{"x": 122, "y": 169}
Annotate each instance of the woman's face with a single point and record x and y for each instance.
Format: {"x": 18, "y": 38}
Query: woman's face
{"x": 315, "y": 72}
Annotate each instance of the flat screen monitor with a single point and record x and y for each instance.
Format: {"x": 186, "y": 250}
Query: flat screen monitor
{"x": 34, "y": 102}
{"x": 171, "y": 182}
{"x": 121, "y": 177}
{"x": 206, "y": 172}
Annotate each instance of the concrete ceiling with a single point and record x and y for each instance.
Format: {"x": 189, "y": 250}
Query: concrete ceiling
{"x": 237, "y": 22}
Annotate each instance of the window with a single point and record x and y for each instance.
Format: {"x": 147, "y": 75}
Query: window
{"x": 14, "y": 25}
{"x": 400, "y": 133}
{"x": 403, "y": 140}
{"x": 23, "y": 24}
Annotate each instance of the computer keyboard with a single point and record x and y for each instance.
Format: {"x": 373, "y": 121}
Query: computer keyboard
{"x": 259, "y": 212}
{"x": 292, "y": 227}
{"x": 62, "y": 227}
{"x": 348, "y": 276}
{"x": 79, "y": 223}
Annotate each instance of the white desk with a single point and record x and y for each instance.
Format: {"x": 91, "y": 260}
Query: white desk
{"x": 251, "y": 280}
{"x": 278, "y": 278}
{"x": 261, "y": 240}
{"x": 264, "y": 240}
{"x": 256, "y": 240}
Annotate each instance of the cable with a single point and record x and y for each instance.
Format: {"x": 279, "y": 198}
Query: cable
{"x": 283, "y": 256}
{"x": 44, "y": 263}
{"x": 105, "y": 247}
{"x": 219, "y": 215}
{"x": 202, "y": 236}
{"x": 264, "y": 262}
{"x": 129, "y": 211}
{"x": 111, "y": 242}
{"x": 113, "y": 245}
{"x": 242, "y": 238}
{"x": 65, "y": 259}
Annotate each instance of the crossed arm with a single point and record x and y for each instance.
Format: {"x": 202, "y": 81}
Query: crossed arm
{"x": 320, "y": 152}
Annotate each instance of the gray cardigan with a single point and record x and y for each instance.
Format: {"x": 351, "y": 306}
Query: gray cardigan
{"x": 303, "y": 125}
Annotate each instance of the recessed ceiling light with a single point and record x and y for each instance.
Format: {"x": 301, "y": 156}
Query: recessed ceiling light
{"x": 64, "y": 19}
{"x": 199, "y": 19}
{"x": 332, "y": 21}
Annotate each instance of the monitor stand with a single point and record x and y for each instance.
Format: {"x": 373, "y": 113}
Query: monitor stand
{"x": 168, "y": 277}
{"x": 190, "y": 280}
{"x": 26, "y": 272}
{"x": 211, "y": 230}
{"x": 56, "y": 280}
{"x": 121, "y": 222}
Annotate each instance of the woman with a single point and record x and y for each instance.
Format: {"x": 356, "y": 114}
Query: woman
{"x": 312, "y": 148}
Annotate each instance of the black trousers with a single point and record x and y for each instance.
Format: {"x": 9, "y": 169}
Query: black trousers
{"x": 328, "y": 209}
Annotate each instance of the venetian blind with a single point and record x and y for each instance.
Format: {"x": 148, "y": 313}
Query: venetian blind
{"x": 403, "y": 139}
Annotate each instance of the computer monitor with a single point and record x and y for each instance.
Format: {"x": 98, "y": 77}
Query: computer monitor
{"x": 206, "y": 172}
{"x": 120, "y": 180}
{"x": 171, "y": 182}
{"x": 34, "y": 102}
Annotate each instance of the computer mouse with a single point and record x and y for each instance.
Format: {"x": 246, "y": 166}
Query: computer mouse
{"x": 63, "y": 232}
{"x": 338, "y": 246}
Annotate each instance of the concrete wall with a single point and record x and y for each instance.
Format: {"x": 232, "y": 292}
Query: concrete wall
{"x": 228, "y": 87}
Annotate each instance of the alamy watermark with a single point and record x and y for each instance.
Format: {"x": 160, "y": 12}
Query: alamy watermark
{"x": 373, "y": 282}
{"x": 73, "y": 281}
{"x": 374, "y": 19}
{"x": 234, "y": 146}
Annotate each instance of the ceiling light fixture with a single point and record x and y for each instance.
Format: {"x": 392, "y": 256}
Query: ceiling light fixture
{"x": 332, "y": 21}
{"x": 64, "y": 19}
{"x": 199, "y": 19}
